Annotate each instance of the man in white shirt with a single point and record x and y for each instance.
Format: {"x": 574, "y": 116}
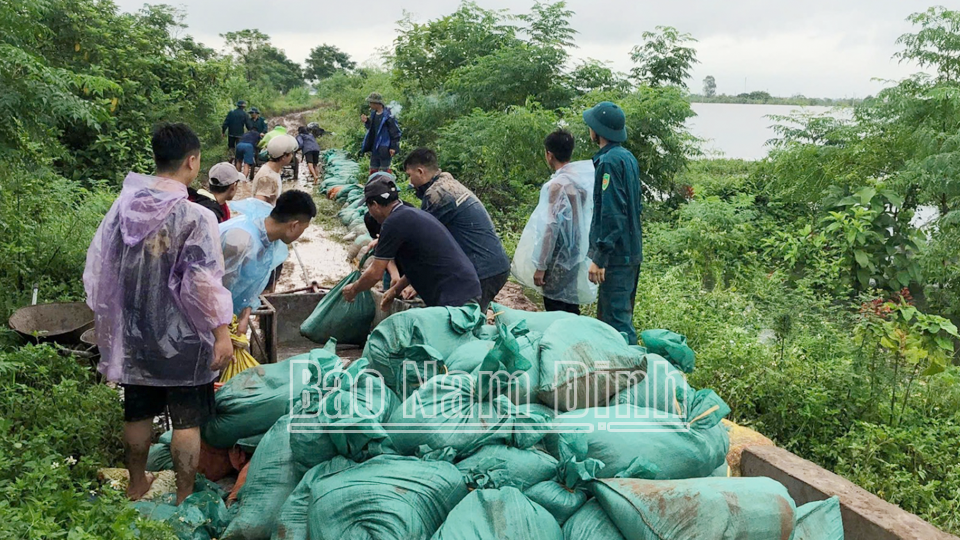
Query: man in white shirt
{"x": 282, "y": 150}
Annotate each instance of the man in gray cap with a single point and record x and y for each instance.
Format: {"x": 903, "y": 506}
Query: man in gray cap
{"x": 383, "y": 134}
{"x": 616, "y": 244}
{"x": 424, "y": 250}
{"x": 223, "y": 178}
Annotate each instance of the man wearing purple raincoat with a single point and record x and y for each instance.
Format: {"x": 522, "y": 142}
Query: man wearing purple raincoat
{"x": 153, "y": 278}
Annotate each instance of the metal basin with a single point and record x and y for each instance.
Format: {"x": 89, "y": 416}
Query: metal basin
{"x": 62, "y": 322}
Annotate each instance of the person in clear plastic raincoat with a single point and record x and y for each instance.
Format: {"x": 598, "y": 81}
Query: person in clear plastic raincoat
{"x": 552, "y": 253}
{"x": 265, "y": 194}
{"x": 253, "y": 246}
{"x": 153, "y": 278}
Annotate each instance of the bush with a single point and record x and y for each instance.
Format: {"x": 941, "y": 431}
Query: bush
{"x": 57, "y": 427}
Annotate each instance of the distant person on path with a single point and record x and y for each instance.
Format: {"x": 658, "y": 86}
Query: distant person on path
{"x": 154, "y": 279}
{"x": 423, "y": 249}
{"x": 465, "y": 216}
{"x": 257, "y": 122}
{"x": 234, "y": 125}
{"x": 552, "y": 252}
{"x": 253, "y": 246}
{"x": 383, "y": 134}
{"x": 247, "y": 151}
{"x": 223, "y": 181}
{"x": 311, "y": 151}
{"x": 616, "y": 243}
{"x": 281, "y": 150}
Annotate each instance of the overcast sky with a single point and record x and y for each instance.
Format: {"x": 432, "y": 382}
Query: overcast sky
{"x": 817, "y": 48}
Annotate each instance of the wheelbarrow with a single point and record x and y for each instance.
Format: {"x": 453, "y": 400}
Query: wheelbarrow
{"x": 62, "y": 322}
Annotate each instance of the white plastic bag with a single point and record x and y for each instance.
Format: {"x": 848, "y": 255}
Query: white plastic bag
{"x": 557, "y": 236}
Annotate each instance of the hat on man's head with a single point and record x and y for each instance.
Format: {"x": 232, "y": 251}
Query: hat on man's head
{"x": 254, "y": 110}
{"x": 608, "y": 121}
{"x": 380, "y": 188}
{"x": 375, "y": 97}
{"x": 280, "y": 145}
{"x": 224, "y": 175}
{"x": 241, "y": 103}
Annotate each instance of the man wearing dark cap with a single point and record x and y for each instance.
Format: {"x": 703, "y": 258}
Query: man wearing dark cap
{"x": 235, "y": 124}
{"x": 616, "y": 245}
{"x": 257, "y": 123}
{"x": 424, "y": 250}
{"x": 383, "y": 134}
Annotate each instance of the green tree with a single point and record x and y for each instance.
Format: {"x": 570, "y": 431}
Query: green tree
{"x": 593, "y": 75}
{"x": 424, "y": 55}
{"x": 709, "y": 86}
{"x": 665, "y": 58}
{"x": 262, "y": 62}
{"x": 325, "y": 60}
{"x": 936, "y": 45}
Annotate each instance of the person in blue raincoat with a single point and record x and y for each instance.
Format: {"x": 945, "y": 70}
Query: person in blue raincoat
{"x": 552, "y": 253}
{"x": 254, "y": 245}
{"x": 383, "y": 134}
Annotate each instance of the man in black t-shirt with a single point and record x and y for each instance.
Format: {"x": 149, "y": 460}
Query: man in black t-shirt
{"x": 431, "y": 259}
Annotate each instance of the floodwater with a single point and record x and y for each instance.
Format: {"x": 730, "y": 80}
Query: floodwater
{"x": 738, "y": 131}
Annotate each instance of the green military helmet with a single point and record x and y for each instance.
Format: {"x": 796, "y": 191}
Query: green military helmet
{"x": 608, "y": 121}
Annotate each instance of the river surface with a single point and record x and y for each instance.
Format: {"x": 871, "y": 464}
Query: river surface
{"x": 742, "y": 131}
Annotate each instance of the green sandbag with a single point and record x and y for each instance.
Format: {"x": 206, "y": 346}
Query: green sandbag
{"x": 487, "y": 332}
{"x": 495, "y": 514}
{"x": 671, "y": 346}
{"x": 346, "y": 421}
{"x": 201, "y": 516}
{"x": 819, "y": 520}
{"x": 159, "y": 458}
{"x": 557, "y": 499}
{"x": 498, "y": 466}
{"x": 334, "y": 317}
{"x": 645, "y": 443}
{"x": 659, "y": 387}
{"x": 386, "y": 498}
{"x": 583, "y": 363}
{"x": 271, "y": 478}
{"x": 468, "y": 357}
{"x": 422, "y": 336}
{"x": 450, "y": 411}
{"x": 537, "y": 321}
{"x": 249, "y": 444}
{"x": 294, "y": 515}
{"x": 591, "y": 523}
{"x": 703, "y": 508}
{"x": 251, "y": 402}
{"x": 513, "y": 346}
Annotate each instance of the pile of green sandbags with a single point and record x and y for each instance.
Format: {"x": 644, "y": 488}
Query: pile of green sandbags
{"x": 334, "y": 317}
{"x": 342, "y": 174}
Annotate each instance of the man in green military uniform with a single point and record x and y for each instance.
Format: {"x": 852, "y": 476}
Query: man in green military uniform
{"x": 235, "y": 124}
{"x": 616, "y": 244}
{"x": 257, "y": 123}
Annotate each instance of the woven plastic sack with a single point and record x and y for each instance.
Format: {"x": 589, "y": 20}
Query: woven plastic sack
{"x": 671, "y": 346}
{"x": 513, "y": 346}
{"x": 271, "y": 477}
{"x": 386, "y": 498}
{"x": 159, "y": 458}
{"x": 633, "y": 442}
{"x": 423, "y": 338}
{"x": 346, "y": 421}
{"x": 498, "y": 466}
{"x": 455, "y": 411}
{"x": 201, "y": 516}
{"x": 250, "y": 403}
{"x": 334, "y": 317}
{"x": 293, "y": 522}
{"x": 537, "y": 321}
{"x": 819, "y": 520}
{"x": 557, "y": 499}
{"x": 583, "y": 363}
{"x": 703, "y": 508}
{"x": 591, "y": 523}
{"x": 469, "y": 356}
{"x": 659, "y": 387}
{"x": 495, "y": 514}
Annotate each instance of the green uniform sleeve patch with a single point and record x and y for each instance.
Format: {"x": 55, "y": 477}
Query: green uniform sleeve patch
{"x": 606, "y": 181}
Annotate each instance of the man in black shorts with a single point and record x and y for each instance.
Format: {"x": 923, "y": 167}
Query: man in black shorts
{"x": 153, "y": 278}
{"x": 423, "y": 248}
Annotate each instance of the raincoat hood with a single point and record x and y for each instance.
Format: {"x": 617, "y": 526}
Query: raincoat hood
{"x": 144, "y": 204}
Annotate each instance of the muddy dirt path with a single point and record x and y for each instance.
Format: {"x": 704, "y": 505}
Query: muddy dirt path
{"x": 325, "y": 259}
